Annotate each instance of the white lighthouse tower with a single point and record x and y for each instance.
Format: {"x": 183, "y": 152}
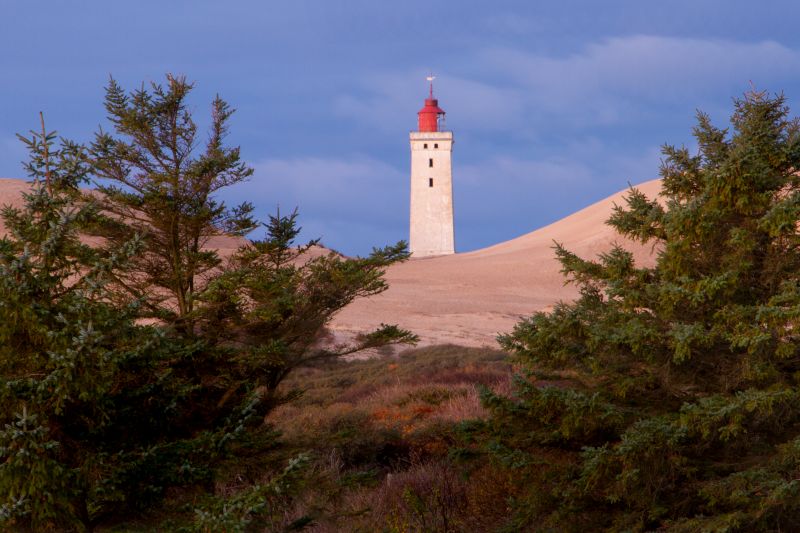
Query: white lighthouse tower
{"x": 431, "y": 228}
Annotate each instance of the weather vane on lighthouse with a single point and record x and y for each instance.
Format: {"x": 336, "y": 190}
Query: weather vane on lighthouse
{"x": 430, "y": 79}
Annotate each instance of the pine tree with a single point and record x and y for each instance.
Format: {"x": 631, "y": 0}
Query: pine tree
{"x": 86, "y": 406}
{"x": 271, "y": 305}
{"x": 155, "y": 182}
{"x": 268, "y": 306}
{"x": 104, "y": 408}
{"x": 667, "y": 397}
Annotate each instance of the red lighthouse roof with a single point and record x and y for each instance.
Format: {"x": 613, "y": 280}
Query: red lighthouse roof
{"x": 429, "y": 115}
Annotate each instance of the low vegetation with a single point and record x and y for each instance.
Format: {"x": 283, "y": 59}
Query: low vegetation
{"x": 382, "y": 438}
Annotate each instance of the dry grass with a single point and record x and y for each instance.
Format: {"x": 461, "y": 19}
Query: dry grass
{"x": 382, "y": 430}
{"x": 405, "y": 393}
{"x": 426, "y": 496}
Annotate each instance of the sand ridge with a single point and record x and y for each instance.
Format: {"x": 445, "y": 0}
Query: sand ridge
{"x": 466, "y": 298}
{"x": 11, "y": 195}
{"x": 469, "y": 298}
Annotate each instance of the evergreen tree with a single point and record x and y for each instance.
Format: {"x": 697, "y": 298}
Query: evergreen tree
{"x": 104, "y": 408}
{"x": 268, "y": 306}
{"x": 667, "y": 397}
{"x": 156, "y": 183}
{"x": 87, "y": 407}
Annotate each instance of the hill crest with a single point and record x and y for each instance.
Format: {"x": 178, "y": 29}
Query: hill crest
{"x": 467, "y": 298}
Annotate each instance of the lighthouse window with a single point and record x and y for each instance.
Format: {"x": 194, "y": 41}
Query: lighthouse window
{"x": 425, "y": 145}
{"x": 430, "y": 182}
{"x": 436, "y": 145}
{"x": 430, "y": 162}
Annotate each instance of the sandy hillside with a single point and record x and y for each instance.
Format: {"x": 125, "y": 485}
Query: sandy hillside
{"x": 11, "y": 194}
{"x": 468, "y": 298}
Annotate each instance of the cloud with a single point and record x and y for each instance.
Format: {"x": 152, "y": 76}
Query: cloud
{"x": 352, "y": 203}
{"x": 389, "y": 101}
{"x": 502, "y": 197}
{"x": 644, "y": 65}
{"x": 618, "y": 79}
{"x": 332, "y": 184}
{"x": 514, "y": 172}
{"x": 608, "y": 82}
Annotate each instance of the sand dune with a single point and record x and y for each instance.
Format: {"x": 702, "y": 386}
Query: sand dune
{"x": 467, "y": 298}
{"x": 11, "y": 194}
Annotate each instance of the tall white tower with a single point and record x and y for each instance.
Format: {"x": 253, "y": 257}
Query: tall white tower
{"x": 431, "y": 227}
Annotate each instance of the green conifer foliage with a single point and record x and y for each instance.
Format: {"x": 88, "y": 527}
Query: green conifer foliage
{"x": 157, "y": 181}
{"x": 73, "y": 367}
{"x": 668, "y": 397}
{"x": 270, "y": 307}
{"x": 111, "y": 391}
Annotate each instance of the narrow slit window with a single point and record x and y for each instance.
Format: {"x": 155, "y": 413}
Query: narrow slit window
{"x": 430, "y": 182}
{"x": 430, "y": 162}
{"x": 436, "y": 145}
{"x": 425, "y": 145}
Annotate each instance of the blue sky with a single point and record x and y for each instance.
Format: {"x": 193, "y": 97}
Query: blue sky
{"x": 554, "y": 105}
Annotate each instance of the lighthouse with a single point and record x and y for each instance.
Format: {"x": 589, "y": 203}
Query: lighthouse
{"x": 431, "y": 222}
